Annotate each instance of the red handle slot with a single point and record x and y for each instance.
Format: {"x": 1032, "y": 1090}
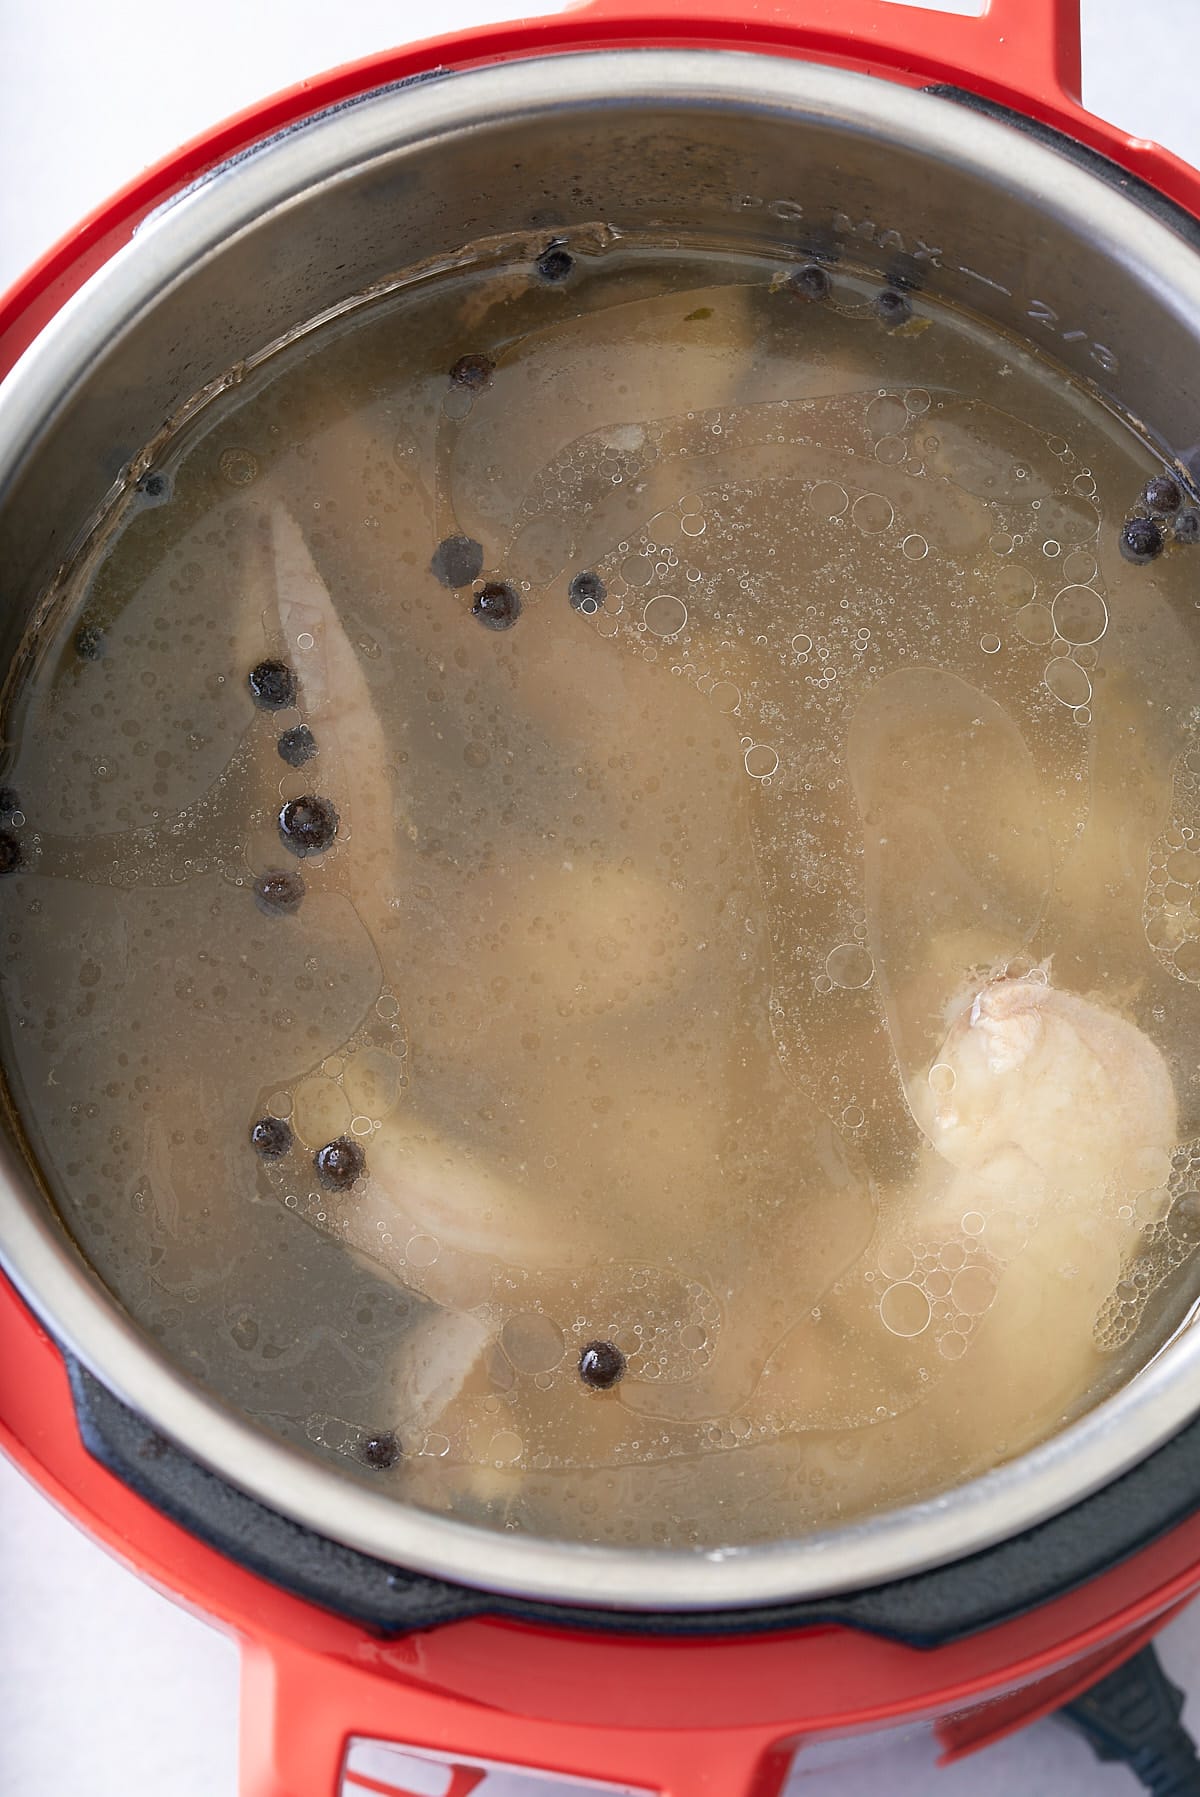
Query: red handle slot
{"x": 1028, "y": 49}
{"x": 325, "y": 1728}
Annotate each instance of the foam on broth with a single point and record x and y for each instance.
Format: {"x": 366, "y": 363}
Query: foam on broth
{"x": 761, "y": 932}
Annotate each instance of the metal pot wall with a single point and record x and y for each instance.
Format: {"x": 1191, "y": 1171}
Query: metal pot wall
{"x": 1031, "y": 229}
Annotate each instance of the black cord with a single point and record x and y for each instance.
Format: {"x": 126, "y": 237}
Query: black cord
{"x": 1132, "y": 1716}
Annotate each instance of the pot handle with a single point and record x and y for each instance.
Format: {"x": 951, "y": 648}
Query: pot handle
{"x": 1014, "y": 51}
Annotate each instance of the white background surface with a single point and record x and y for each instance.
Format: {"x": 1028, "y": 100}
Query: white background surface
{"x": 106, "y": 1689}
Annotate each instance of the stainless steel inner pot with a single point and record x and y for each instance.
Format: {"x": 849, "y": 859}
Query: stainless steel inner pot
{"x": 730, "y": 145}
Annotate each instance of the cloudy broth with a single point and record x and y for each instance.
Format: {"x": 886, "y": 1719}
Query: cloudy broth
{"x": 601, "y": 911}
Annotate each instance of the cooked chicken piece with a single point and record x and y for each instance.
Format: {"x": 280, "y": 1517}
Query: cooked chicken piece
{"x": 1049, "y": 1124}
{"x": 475, "y": 1190}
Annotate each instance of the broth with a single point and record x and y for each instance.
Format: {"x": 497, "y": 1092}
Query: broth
{"x": 709, "y": 1050}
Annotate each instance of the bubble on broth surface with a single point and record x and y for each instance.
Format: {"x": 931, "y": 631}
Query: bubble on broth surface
{"x": 1080, "y": 615}
{"x": 904, "y": 1310}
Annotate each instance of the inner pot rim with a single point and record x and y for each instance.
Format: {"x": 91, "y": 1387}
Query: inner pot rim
{"x": 42, "y": 1262}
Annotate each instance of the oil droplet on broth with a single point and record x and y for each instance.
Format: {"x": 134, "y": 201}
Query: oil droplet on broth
{"x": 632, "y": 989}
{"x": 904, "y": 1309}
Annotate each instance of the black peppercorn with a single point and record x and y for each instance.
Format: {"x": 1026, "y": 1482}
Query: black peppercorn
{"x": 89, "y": 642}
{"x": 297, "y": 746}
{"x": 473, "y": 372}
{"x": 601, "y": 1364}
{"x": 340, "y": 1163}
{"x": 811, "y": 282}
{"x": 1141, "y": 540}
{"x": 308, "y": 825}
{"x": 381, "y": 1451}
{"x": 1162, "y": 495}
{"x": 555, "y": 264}
{"x": 271, "y": 1137}
{"x": 457, "y": 561}
{"x": 273, "y": 685}
{"x": 278, "y": 891}
{"x": 497, "y": 605}
{"x": 587, "y": 592}
{"x": 893, "y": 308}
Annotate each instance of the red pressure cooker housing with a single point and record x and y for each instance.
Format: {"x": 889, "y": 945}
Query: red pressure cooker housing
{"x": 723, "y": 1712}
